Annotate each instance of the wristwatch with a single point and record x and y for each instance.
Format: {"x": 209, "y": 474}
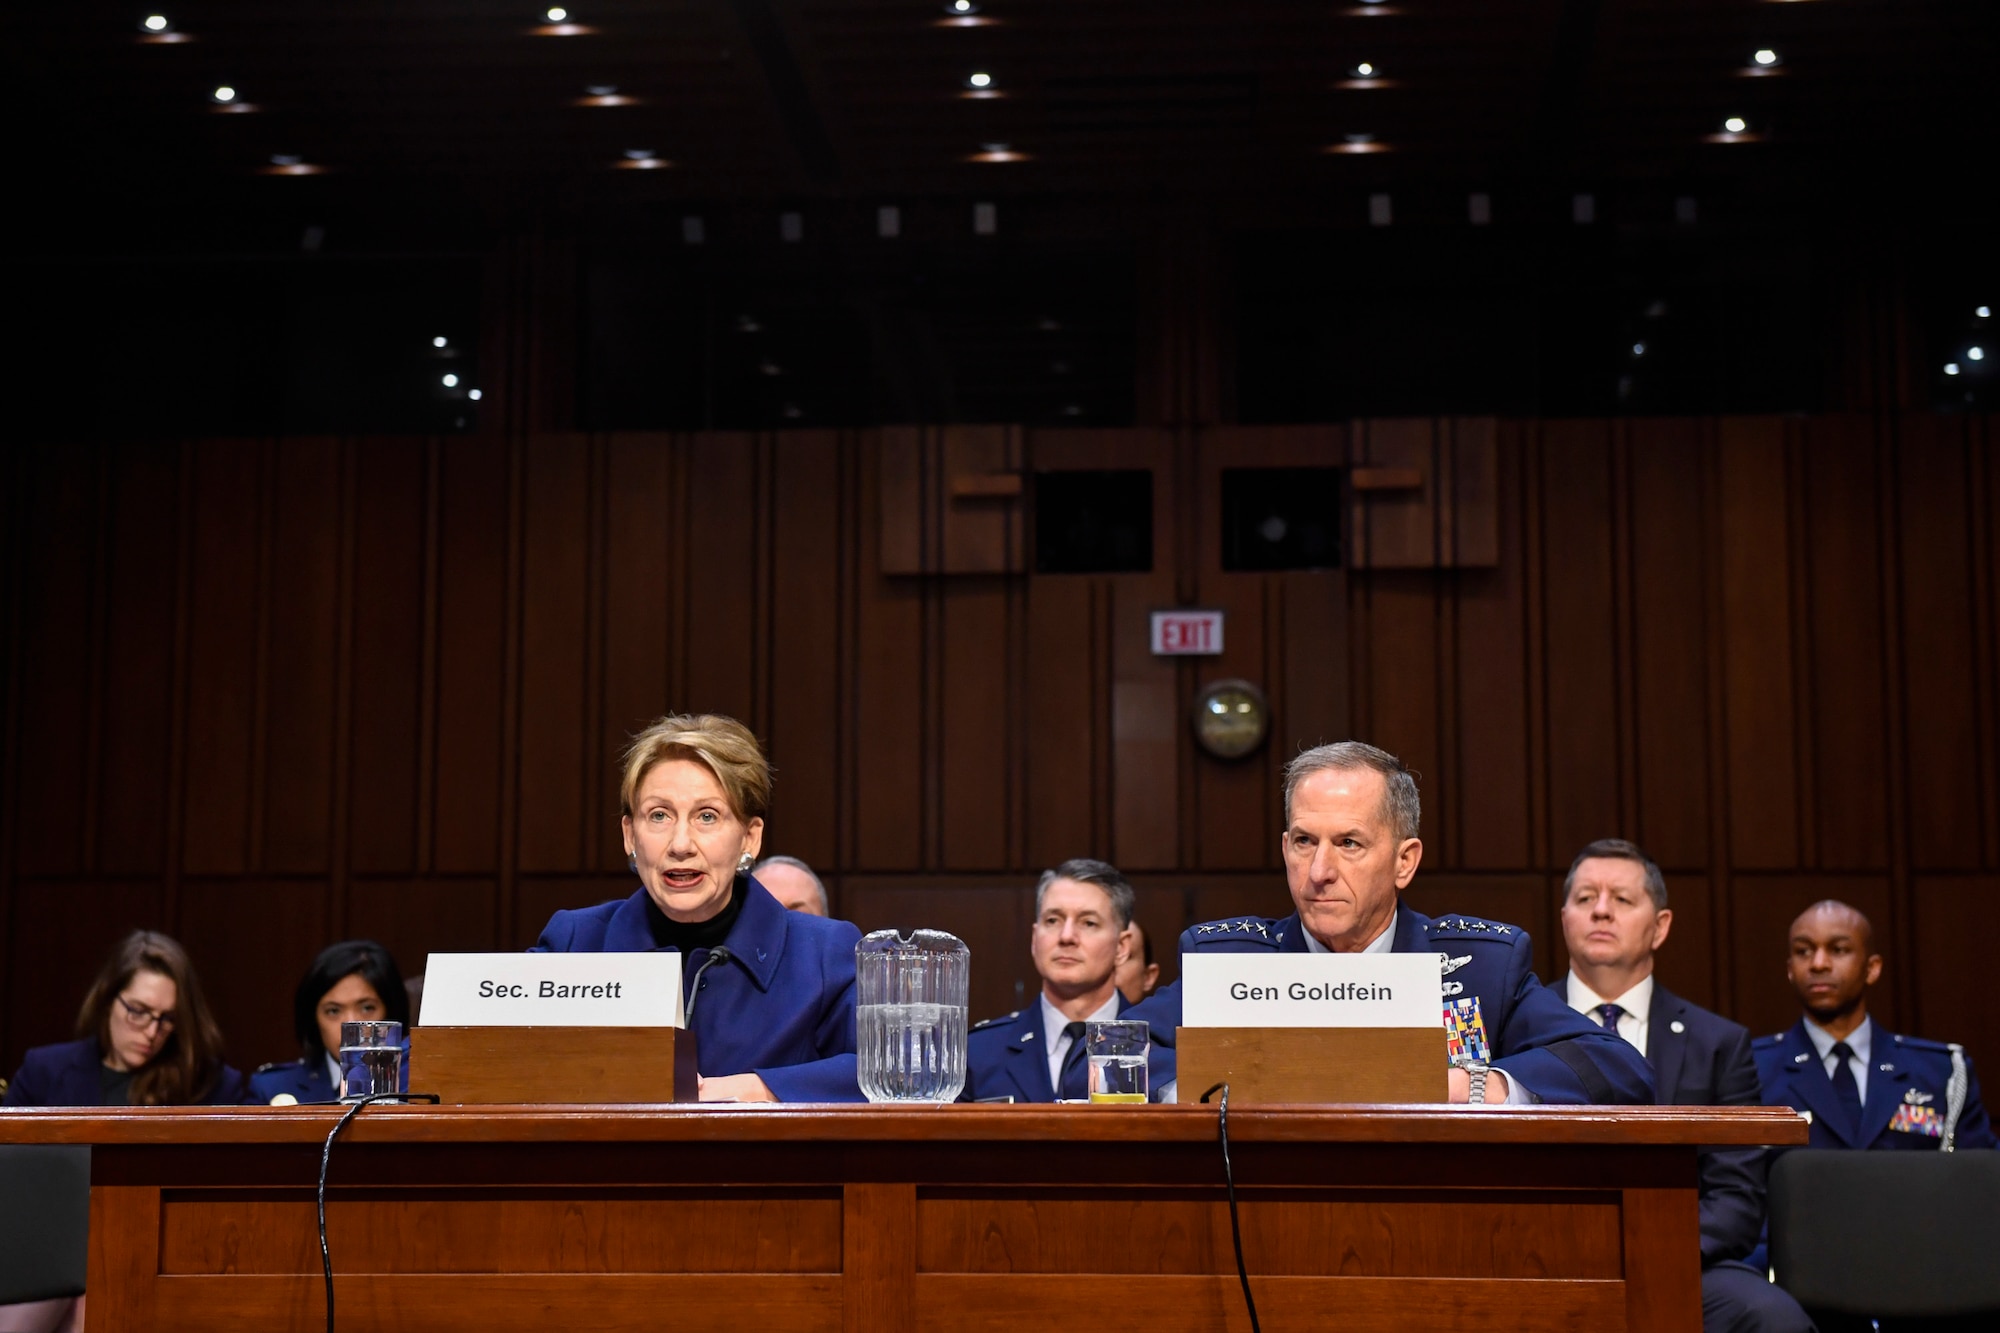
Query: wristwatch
{"x": 1475, "y": 1091}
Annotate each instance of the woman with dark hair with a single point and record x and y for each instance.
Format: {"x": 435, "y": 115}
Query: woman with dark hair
{"x": 144, "y": 1038}
{"x": 350, "y": 982}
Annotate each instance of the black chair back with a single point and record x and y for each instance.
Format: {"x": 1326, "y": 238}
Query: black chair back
{"x": 44, "y": 1222}
{"x": 1887, "y": 1234}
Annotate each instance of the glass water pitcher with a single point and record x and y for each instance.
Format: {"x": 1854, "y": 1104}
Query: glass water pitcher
{"x": 910, "y": 1015}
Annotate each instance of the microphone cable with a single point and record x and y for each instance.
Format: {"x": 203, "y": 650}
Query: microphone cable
{"x": 1235, "y": 1223}
{"x": 326, "y": 1157}
{"x": 719, "y": 954}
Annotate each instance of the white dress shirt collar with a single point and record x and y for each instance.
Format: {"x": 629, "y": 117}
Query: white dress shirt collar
{"x": 1635, "y": 1024}
{"x": 1861, "y": 1041}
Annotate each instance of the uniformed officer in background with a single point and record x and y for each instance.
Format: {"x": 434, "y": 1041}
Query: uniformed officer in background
{"x": 1079, "y": 937}
{"x": 1614, "y": 917}
{"x": 1350, "y": 847}
{"x": 1862, "y": 1087}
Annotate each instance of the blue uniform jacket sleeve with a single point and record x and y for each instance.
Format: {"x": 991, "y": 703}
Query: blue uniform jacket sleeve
{"x": 1557, "y": 1054}
{"x": 1732, "y": 1179}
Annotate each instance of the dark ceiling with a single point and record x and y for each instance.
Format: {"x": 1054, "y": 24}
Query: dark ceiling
{"x": 775, "y": 99}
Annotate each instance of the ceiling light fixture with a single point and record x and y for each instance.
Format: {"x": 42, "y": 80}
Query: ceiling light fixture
{"x": 438, "y": 342}
{"x": 1983, "y": 312}
{"x": 156, "y": 23}
{"x": 557, "y": 14}
{"x": 1951, "y": 367}
{"x": 1638, "y": 349}
{"x": 979, "y": 80}
{"x": 1765, "y": 57}
{"x": 604, "y": 94}
{"x": 1364, "y": 70}
{"x": 475, "y": 395}
{"x": 560, "y": 25}
{"x": 963, "y": 14}
{"x": 451, "y": 381}
{"x": 158, "y": 30}
{"x": 1975, "y": 353}
{"x": 223, "y": 95}
{"x": 1735, "y": 125}
{"x": 997, "y": 152}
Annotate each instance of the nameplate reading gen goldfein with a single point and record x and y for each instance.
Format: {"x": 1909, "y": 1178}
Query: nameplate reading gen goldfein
{"x": 1333, "y": 990}
{"x": 553, "y": 990}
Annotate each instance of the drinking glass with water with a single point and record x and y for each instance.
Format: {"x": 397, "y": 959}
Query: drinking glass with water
{"x": 910, "y": 1015}
{"x": 1117, "y": 1048}
{"x": 371, "y": 1059}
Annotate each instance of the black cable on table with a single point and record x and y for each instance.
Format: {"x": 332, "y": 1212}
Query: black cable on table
{"x": 1235, "y": 1223}
{"x": 326, "y": 1156}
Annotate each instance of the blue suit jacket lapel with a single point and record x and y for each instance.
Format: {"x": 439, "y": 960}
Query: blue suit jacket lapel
{"x": 1807, "y": 1085}
{"x": 1027, "y": 1063}
{"x": 1665, "y": 1048}
{"x": 1886, "y": 1082}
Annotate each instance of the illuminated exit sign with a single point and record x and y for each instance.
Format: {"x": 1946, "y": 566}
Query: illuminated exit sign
{"x": 1187, "y": 633}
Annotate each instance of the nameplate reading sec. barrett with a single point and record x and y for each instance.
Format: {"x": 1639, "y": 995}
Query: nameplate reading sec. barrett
{"x": 1350, "y": 848}
{"x": 576, "y": 990}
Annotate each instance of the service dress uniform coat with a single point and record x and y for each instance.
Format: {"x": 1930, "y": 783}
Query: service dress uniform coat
{"x": 1008, "y": 1057}
{"x": 307, "y": 1081}
{"x": 71, "y": 1073}
{"x": 781, "y": 1006}
{"x": 1904, "y": 1107}
{"x": 1553, "y": 1053}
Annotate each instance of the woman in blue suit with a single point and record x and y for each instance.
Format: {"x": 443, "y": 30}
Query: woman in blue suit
{"x": 146, "y": 1039}
{"x": 355, "y": 981}
{"x": 770, "y": 993}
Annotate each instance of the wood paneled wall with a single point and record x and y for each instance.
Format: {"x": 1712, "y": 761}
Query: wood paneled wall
{"x": 265, "y": 694}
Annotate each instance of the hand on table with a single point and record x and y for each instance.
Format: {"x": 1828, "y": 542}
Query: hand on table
{"x": 750, "y": 1088}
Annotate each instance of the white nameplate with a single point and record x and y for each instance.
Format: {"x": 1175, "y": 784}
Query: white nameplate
{"x": 566, "y": 990}
{"x": 1310, "y": 990}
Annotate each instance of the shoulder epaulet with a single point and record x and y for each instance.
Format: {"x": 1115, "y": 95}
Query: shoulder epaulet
{"x": 1771, "y": 1040}
{"x": 1005, "y": 1020}
{"x": 1237, "y": 928}
{"x": 269, "y": 1065}
{"x": 1921, "y": 1043}
{"x": 1472, "y": 927}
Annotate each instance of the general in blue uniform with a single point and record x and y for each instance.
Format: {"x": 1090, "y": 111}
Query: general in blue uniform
{"x": 1904, "y": 1082}
{"x": 780, "y": 1006}
{"x": 72, "y": 1073}
{"x": 1551, "y": 1052}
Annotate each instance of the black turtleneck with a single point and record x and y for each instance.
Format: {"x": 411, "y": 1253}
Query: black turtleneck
{"x": 687, "y": 936}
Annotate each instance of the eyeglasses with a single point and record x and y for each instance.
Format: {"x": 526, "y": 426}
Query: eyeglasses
{"x": 140, "y": 1018}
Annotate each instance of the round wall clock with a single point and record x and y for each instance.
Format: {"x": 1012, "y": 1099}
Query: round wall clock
{"x": 1231, "y": 718}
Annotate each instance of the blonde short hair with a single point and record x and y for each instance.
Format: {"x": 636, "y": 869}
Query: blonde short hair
{"x": 722, "y": 745}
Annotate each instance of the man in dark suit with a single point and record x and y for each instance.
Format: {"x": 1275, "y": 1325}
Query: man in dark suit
{"x": 1614, "y": 916}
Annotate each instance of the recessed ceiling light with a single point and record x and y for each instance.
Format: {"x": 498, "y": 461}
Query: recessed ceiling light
{"x": 1735, "y": 125}
{"x": 637, "y": 154}
{"x": 1765, "y": 57}
{"x": 450, "y": 381}
{"x": 475, "y": 395}
{"x": 557, "y": 14}
{"x": 156, "y": 23}
{"x": 224, "y": 94}
{"x": 979, "y": 80}
{"x": 1951, "y": 367}
{"x": 1638, "y": 349}
{"x": 1984, "y": 312}
{"x": 438, "y": 342}
{"x": 961, "y": 7}
{"x": 1975, "y": 354}
{"x": 1364, "y": 70}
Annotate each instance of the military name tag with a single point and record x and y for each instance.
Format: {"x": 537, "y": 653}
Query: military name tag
{"x": 1308, "y": 990}
{"x": 618, "y": 990}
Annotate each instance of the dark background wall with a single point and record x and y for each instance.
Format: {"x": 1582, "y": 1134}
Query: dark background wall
{"x": 268, "y": 693}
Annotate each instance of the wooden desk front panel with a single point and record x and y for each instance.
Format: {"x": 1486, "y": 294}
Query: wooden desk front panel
{"x": 839, "y": 1236}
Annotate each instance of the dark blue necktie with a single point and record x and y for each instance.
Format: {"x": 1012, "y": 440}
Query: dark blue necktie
{"x": 1607, "y": 1014}
{"x": 1845, "y": 1090}
{"x": 1075, "y": 1083}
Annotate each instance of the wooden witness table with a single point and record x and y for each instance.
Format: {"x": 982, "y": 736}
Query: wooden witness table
{"x": 882, "y": 1219}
